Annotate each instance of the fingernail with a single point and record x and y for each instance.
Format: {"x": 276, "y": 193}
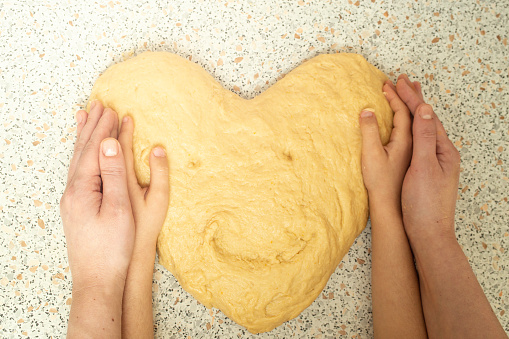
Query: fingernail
{"x": 426, "y": 112}
{"x": 367, "y": 112}
{"x": 79, "y": 117}
{"x": 92, "y": 105}
{"x": 110, "y": 147}
{"x": 385, "y": 93}
{"x": 125, "y": 119}
{"x": 159, "y": 152}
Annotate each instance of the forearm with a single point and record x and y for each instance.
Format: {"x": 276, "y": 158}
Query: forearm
{"x": 96, "y": 312}
{"x": 137, "y": 319}
{"x": 453, "y": 301}
{"x": 397, "y": 311}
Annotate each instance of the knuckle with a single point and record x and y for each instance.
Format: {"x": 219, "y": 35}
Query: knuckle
{"x": 422, "y": 105}
{"x": 422, "y": 168}
{"x": 80, "y": 144}
{"x": 119, "y": 209}
{"x": 69, "y": 193}
{"x": 371, "y": 128}
{"x": 91, "y": 145}
{"x": 162, "y": 170}
{"x": 114, "y": 170}
{"x": 428, "y": 133}
{"x": 456, "y": 157}
{"x": 160, "y": 195}
{"x": 452, "y": 152}
{"x": 64, "y": 202}
{"x": 456, "y": 153}
{"x": 68, "y": 199}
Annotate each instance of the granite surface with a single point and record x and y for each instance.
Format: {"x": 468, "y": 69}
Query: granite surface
{"x": 51, "y": 52}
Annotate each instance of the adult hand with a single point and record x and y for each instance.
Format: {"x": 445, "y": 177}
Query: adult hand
{"x": 428, "y": 203}
{"x": 98, "y": 221}
{"x": 431, "y": 183}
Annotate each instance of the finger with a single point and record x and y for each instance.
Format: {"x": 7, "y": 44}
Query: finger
{"x": 442, "y": 138}
{"x": 89, "y": 122}
{"x": 424, "y": 136}
{"x": 113, "y": 176}
{"x": 390, "y": 84}
{"x": 408, "y": 94}
{"x": 114, "y": 130}
{"x": 81, "y": 120}
{"x": 371, "y": 143}
{"x": 126, "y": 141}
{"x": 407, "y": 80}
{"x": 418, "y": 89}
{"x": 447, "y": 154}
{"x": 95, "y": 113}
{"x": 158, "y": 189}
{"x": 88, "y": 164}
{"x": 402, "y": 120}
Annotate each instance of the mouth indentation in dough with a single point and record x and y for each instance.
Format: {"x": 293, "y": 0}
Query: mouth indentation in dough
{"x": 238, "y": 241}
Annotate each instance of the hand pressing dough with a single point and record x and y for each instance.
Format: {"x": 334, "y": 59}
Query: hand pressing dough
{"x": 266, "y": 194}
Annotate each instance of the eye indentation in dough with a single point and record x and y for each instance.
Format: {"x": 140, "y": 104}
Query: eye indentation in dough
{"x": 288, "y": 155}
{"x": 194, "y": 164}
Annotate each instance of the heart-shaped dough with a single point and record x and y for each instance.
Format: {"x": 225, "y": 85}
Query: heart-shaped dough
{"x": 266, "y": 194}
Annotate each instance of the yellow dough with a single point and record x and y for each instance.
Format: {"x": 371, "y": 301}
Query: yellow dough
{"x": 266, "y": 195}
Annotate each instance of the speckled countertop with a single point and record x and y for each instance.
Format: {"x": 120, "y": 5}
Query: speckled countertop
{"x": 51, "y": 52}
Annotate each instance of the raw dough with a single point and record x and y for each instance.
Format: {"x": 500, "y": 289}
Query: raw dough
{"x": 266, "y": 194}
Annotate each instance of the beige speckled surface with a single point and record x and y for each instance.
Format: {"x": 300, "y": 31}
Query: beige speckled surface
{"x": 52, "y": 52}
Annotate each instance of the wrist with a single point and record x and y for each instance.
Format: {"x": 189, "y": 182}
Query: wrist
{"x": 144, "y": 251}
{"x": 388, "y": 203}
{"x": 98, "y": 280}
{"x": 146, "y": 236}
{"x": 102, "y": 292}
{"x": 424, "y": 237}
{"x": 433, "y": 248}
{"x": 96, "y": 311}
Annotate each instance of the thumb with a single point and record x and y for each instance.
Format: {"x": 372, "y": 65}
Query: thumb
{"x": 158, "y": 190}
{"x": 425, "y": 135}
{"x": 113, "y": 175}
{"x": 371, "y": 143}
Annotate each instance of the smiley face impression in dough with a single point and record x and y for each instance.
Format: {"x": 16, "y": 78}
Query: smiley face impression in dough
{"x": 266, "y": 195}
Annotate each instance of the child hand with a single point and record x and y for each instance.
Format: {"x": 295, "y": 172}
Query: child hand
{"x": 396, "y": 314}
{"x": 384, "y": 167}
{"x": 431, "y": 183}
{"x": 149, "y": 204}
{"x": 95, "y": 207}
